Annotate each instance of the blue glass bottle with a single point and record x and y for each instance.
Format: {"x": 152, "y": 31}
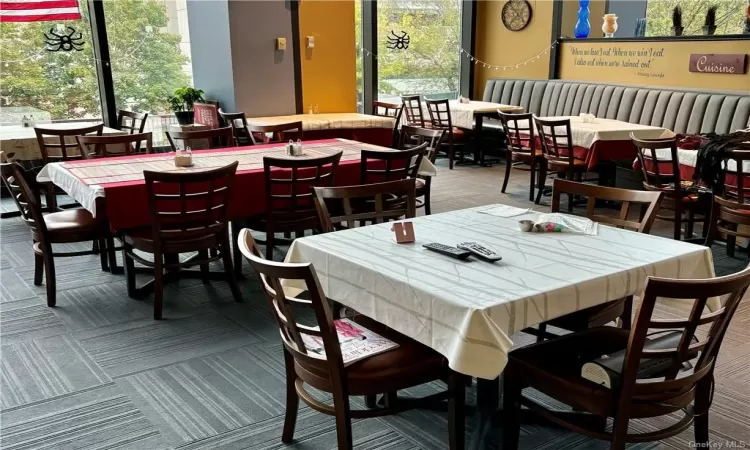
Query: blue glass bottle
{"x": 583, "y": 27}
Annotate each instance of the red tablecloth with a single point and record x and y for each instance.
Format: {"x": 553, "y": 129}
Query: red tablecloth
{"x": 125, "y": 203}
{"x": 602, "y": 151}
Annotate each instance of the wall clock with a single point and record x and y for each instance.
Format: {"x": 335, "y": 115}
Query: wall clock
{"x": 516, "y": 14}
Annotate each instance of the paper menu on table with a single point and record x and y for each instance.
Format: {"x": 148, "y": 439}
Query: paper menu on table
{"x": 504, "y": 211}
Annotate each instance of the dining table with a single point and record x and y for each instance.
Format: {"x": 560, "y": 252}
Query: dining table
{"x": 367, "y": 128}
{"x": 114, "y": 187}
{"x": 471, "y": 115}
{"x": 469, "y": 310}
{"x": 22, "y": 144}
{"x": 604, "y": 139}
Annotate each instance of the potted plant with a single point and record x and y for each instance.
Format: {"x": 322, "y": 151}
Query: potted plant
{"x": 677, "y": 21}
{"x": 182, "y": 102}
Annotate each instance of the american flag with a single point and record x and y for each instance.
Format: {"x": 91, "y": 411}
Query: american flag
{"x": 38, "y": 10}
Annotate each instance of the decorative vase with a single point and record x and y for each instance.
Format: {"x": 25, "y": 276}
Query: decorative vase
{"x": 609, "y": 27}
{"x": 678, "y": 30}
{"x": 185, "y": 117}
{"x": 583, "y": 27}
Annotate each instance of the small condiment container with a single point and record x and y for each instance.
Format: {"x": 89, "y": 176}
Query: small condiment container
{"x": 526, "y": 225}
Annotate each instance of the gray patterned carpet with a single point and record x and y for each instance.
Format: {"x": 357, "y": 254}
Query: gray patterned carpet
{"x": 97, "y": 372}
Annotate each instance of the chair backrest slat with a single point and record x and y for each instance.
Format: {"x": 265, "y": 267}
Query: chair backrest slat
{"x": 132, "y": 122}
{"x": 556, "y": 139}
{"x": 412, "y": 107}
{"x": 670, "y": 386}
{"x": 322, "y": 332}
{"x": 650, "y": 202}
{"x": 238, "y": 122}
{"x": 290, "y": 183}
{"x": 216, "y": 138}
{"x": 440, "y": 114}
{"x": 412, "y": 137}
{"x": 660, "y": 171}
{"x": 44, "y": 136}
{"x": 392, "y": 200}
{"x": 282, "y": 132}
{"x": 519, "y": 132}
{"x": 191, "y": 205}
{"x": 91, "y": 147}
{"x": 377, "y": 166}
{"x": 23, "y": 187}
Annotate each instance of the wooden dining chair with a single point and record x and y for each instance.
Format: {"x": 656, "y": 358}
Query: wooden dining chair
{"x": 216, "y": 138}
{"x": 91, "y": 147}
{"x": 412, "y": 109}
{"x": 730, "y": 213}
{"x": 280, "y": 133}
{"x": 238, "y": 122}
{"x": 412, "y": 137}
{"x": 132, "y": 123}
{"x": 440, "y": 119}
{"x": 62, "y": 227}
{"x": 521, "y": 148}
{"x": 647, "y": 204}
{"x": 390, "y": 110}
{"x": 290, "y": 207}
{"x": 189, "y": 214}
{"x": 377, "y": 166}
{"x": 59, "y": 145}
{"x": 337, "y": 206}
{"x": 679, "y": 393}
{"x": 660, "y": 166}
{"x": 410, "y": 364}
{"x": 557, "y": 148}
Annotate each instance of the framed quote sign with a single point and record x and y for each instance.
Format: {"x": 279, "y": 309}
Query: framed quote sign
{"x": 718, "y": 63}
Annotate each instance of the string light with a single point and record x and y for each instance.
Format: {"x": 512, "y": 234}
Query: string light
{"x": 487, "y": 65}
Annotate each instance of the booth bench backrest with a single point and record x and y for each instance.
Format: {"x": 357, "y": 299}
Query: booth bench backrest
{"x": 682, "y": 111}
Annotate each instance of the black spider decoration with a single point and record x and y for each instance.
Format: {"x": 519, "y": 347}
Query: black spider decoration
{"x": 396, "y": 42}
{"x": 64, "y": 42}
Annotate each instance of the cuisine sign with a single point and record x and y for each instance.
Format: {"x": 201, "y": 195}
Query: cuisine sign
{"x": 718, "y": 63}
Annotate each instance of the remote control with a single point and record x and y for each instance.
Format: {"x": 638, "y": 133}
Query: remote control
{"x": 447, "y": 250}
{"x": 480, "y": 251}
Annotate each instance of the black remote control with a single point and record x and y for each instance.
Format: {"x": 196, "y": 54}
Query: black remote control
{"x": 447, "y": 250}
{"x": 480, "y": 251}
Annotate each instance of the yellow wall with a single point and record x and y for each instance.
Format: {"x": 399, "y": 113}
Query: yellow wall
{"x": 659, "y": 63}
{"x": 570, "y": 17}
{"x": 329, "y": 69}
{"x": 497, "y": 45}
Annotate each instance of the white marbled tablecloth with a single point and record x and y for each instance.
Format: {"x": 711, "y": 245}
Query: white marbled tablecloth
{"x": 467, "y": 310}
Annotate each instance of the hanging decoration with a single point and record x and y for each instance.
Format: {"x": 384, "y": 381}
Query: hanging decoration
{"x": 67, "y": 41}
{"x": 398, "y": 42}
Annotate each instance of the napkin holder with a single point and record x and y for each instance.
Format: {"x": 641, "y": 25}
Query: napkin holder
{"x": 183, "y": 159}
{"x": 293, "y": 149}
{"x": 464, "y": 100}
{"x": 403, "y": 232}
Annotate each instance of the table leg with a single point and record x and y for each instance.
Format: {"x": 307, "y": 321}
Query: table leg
{"x": 479, "y": 149}
{"x": 488, "y": 402}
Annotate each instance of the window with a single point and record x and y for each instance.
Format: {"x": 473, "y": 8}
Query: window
{"x": 430, "y": 64}
{"x": 48, "y": 85}
{"x": 359, "y": 55}
{"x": 730, "y": 16}
{"x": 149, "y": 49}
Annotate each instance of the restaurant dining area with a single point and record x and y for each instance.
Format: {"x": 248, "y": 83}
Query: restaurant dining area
{"x": 374, "y": 224}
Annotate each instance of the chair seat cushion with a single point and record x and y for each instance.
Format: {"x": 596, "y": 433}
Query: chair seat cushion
{"x": 554, "y": 368}
{"x": 73, "y": 225}
{"x": 410, "y": 364}
{"x": 142, "y": 239}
